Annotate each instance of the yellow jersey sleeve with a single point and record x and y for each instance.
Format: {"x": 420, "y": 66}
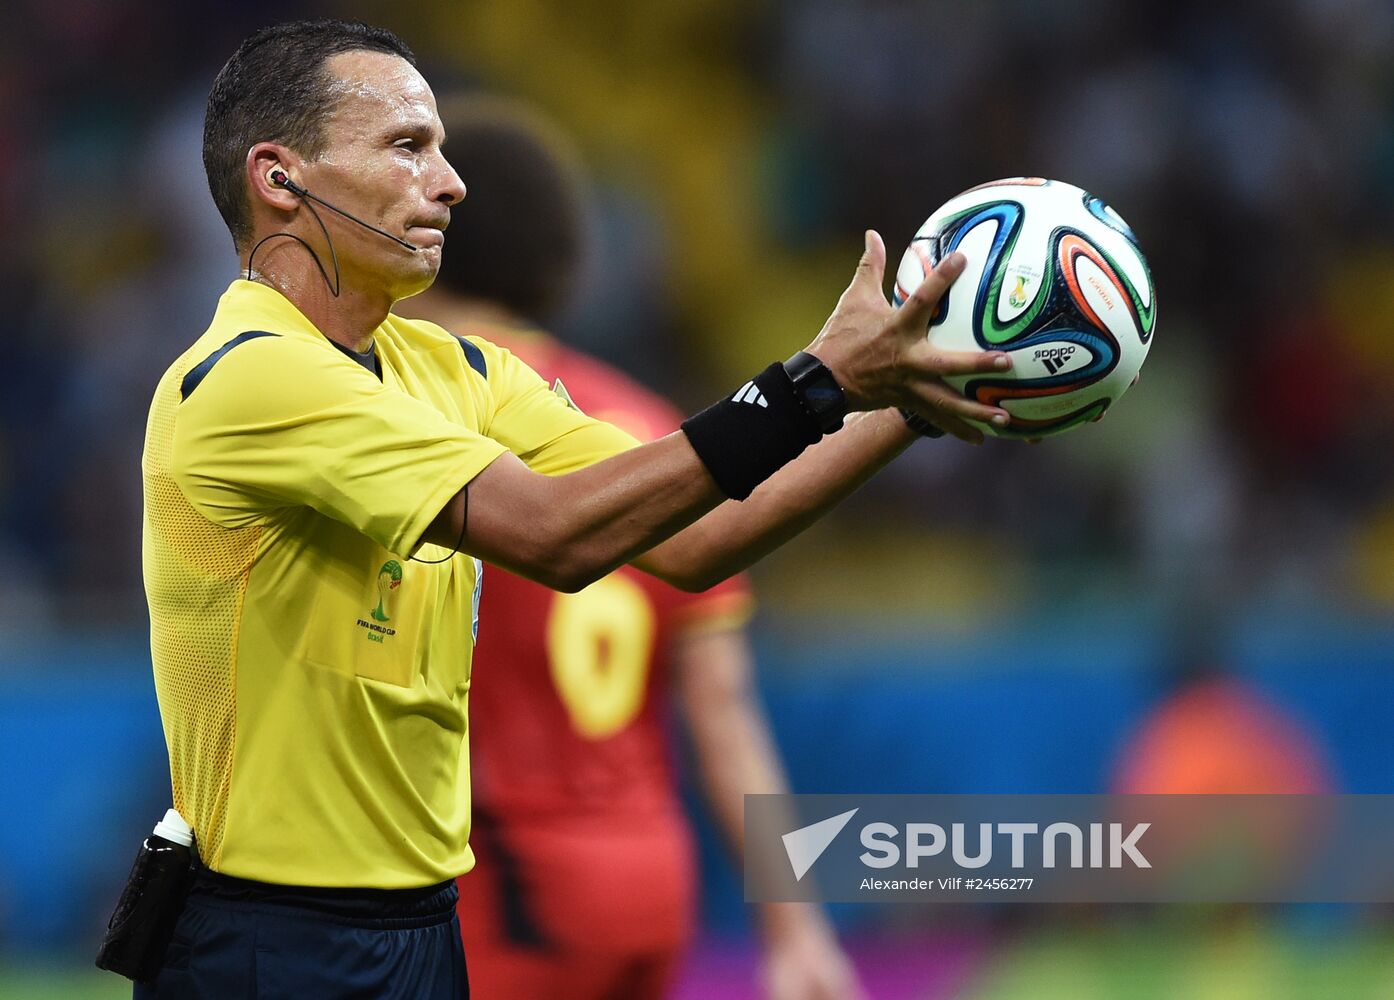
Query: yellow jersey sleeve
{"x": 280, "y": 421}
{"x": 542, "y": 427}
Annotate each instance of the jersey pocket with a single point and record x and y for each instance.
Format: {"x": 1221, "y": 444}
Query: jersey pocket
{"x": 381, "y": 639}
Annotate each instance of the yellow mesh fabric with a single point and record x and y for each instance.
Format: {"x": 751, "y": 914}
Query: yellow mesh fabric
{"x": 195, "y": 579}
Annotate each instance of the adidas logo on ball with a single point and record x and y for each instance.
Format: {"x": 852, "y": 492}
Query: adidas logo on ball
{"x": 1054, "y": 358}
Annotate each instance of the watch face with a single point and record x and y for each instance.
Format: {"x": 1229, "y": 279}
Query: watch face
{"x": 818, "y": 390}
{"x": 824, "y": 395}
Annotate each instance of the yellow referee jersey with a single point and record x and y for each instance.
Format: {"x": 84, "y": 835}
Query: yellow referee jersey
{"x": 313, "y": 678}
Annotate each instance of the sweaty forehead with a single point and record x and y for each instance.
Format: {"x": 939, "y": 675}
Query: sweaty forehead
{"x": 374, "y": 90}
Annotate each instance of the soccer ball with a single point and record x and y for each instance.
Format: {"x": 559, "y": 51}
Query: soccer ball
{"x": 1056, "y": 279}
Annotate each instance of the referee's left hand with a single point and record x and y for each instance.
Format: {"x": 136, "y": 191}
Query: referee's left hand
{"x": 881, "y": 356}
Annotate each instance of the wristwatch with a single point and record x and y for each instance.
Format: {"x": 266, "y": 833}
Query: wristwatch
{"x": 819, "y": 392}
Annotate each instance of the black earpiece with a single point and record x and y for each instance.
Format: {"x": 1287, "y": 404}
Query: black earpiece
{"x": 279, "y": 178}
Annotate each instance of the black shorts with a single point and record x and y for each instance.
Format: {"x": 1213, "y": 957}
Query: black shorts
{"x": 238, "y": 939}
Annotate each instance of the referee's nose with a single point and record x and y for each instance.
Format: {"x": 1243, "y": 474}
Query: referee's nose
{"x": 448, "y": 189}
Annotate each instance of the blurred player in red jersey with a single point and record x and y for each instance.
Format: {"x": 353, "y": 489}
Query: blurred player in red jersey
{"x": 584, "y": 882}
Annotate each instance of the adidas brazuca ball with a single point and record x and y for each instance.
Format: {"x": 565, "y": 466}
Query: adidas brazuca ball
{"x": 1055, "y": 278}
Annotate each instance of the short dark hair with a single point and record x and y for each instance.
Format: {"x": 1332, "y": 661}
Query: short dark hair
{"x": 518, "y": 237}
{"x": 275, "y": 89}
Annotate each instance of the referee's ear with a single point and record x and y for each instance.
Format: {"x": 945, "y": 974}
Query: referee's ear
{"x": 262, "y": 159}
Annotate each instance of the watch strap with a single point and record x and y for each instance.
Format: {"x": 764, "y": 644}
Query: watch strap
{"x": 919, "y": 424}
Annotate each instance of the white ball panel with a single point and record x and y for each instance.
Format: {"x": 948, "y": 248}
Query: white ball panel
{"x": 956, "y": 332}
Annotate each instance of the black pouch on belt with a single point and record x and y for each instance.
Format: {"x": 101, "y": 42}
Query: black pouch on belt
{"x": 143, "y": 923}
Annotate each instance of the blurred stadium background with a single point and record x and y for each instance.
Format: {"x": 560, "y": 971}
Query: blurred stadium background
{"x": 1196, "y": 594}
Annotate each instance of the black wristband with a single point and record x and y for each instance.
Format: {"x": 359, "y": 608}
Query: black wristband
{"x": 746, "y": 438}
{"x": 919, "y": 424}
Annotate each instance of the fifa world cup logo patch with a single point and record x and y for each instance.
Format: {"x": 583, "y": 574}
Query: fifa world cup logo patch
{"x": 1017, "y": 298}
{"x": 389, "y": 581}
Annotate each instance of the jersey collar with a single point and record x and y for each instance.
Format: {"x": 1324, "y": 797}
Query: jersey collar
{"x": 250, "y": 305}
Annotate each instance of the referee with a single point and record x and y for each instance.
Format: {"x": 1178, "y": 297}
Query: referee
{"x": 322, "y": 479}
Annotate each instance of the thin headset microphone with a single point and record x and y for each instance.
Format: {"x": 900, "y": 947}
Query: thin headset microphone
{"x": 279, "y": 178}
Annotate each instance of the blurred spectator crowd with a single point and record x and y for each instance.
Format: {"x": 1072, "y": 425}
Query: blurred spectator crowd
{"x": 739, "y": 150}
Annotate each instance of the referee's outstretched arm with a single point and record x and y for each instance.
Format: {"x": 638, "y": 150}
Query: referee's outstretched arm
{"x": 568, "y": 531}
